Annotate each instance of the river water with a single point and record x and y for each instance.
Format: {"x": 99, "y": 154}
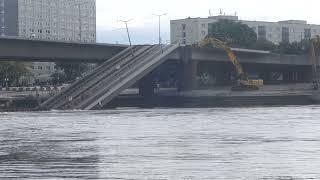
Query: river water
{"x": 281, "y": 143}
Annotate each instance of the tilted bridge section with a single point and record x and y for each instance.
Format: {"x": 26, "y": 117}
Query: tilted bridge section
{"x": 102, "y": 84}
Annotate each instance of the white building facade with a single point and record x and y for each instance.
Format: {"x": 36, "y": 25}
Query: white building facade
{"x": 192, "y": 30}
{"x": 60, "y": 20}
{"x": 52, "y": 20}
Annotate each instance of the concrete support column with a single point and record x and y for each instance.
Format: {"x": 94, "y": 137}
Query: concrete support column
{"x": 220, "y": 76}
{"x": 189, "y": 79}
{"x": 293, "y": 76}
{"x": 290, "y": 77}
{"x": 146, "y": 86}
{"x": 300, "y": 76}
{"x": 189, "y": 68}
{"x": 307, "y": 76}
{"x": 266, "y": 76}
{"x": 286, "y": 76}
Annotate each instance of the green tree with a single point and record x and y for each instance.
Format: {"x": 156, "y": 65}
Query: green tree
{"x": 263, "y": 44}
{"x": 233, "y": 33}
{"x": 302, "y": 47}
{"x": 236, "y": 34}
{"x": 72, "y": 70}
{"x": 10, "y": 72}
{"x": 58, "y": 78}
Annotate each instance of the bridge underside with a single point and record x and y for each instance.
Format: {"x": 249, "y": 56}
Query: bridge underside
{"x": 15, "y": 49}
{"x": 206, "y": 74}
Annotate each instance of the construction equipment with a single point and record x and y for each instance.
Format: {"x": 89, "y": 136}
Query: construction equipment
{"x": 314, "y": 53}
{"x": 243, "y": 81}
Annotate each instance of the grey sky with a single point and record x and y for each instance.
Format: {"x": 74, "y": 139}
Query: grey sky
{"x": 144, "y": 25}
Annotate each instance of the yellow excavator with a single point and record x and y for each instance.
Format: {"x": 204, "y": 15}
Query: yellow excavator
{"x": 243, "y": 81}
{"x": 314, "y": 53}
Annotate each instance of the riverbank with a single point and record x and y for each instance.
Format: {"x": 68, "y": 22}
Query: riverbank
{"x": 269, "y": 95}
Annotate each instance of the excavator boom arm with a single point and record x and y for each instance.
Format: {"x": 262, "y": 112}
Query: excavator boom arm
{"x": 221, "y": 45}
{"x": 244, "y": 82}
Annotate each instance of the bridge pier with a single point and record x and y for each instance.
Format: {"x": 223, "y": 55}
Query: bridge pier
{"x": 189, "y": 75}
{"x": 223, "y": 75}
{"x": 146, "y": 86}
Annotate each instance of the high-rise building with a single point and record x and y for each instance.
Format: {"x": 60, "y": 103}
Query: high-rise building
{"x": 193, "y": 30}
{"x": 62, "y": 20}
{"x": 53, "y": 20}
{"x": 8, "y": 18}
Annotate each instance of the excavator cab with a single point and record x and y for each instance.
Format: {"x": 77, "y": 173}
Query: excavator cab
{"x": 244, "y": 83}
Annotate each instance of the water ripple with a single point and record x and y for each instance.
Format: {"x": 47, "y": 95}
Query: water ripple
{"x": 271, "y": 143}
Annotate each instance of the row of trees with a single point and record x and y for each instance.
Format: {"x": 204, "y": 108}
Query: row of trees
{"x": 68, "y": 72}
{"x": 236, "y": 34}
{"x": 11, "y": 72}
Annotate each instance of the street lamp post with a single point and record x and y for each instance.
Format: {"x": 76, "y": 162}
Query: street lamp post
{"x": 159, "y": 17}
{"x": 128, "y": 34}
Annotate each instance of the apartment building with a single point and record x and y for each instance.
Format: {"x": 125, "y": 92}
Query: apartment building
{"x": 52, "y": 20}
{"x": 8, "y": 18}
{"x": 193, "y": 30}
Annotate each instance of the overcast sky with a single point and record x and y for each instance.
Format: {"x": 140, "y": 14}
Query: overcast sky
{"x": 144, "y": 25}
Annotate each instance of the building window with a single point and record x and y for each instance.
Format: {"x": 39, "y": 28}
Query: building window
{"x": 262, "y": 32}
{"x": 184, "y": 34}
{"x": 40, "y": 67}
{"x": 203, "y": 33}
{"x": 184, "y": 27}
{"x": 285, "y": 35}
{"x": 307, "y": 33}
{"x": 203, "y": 25}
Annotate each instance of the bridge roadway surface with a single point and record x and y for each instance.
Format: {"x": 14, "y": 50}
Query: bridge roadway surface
{"x": 15, "y": 49}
